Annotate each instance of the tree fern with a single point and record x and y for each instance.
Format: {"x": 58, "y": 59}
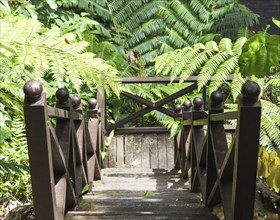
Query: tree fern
{"x": 270, "y": 123}
{"x": 210, "y": 60}
{"x": 174, "y": 23}
{"x": 36, "y": 54}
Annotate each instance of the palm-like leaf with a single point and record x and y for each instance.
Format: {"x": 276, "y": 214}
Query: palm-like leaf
{"x": 210, "y": 60}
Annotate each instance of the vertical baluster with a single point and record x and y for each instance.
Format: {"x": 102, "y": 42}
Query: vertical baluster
{"x": 39, "y": 150}
{"x": 64, "y": 133}
{"x": 246, "y": 152}
{"x": 94, "y": 130}
{"x": 216, "y": 148}
{"x": 197, "y": 136}
{"x": 177, "y": 140}
{"x": 186, "y": 149}
{"x": 79, "y": 145}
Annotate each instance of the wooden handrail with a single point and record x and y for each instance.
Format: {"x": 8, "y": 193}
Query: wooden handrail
{"x": 224, "y": 116}
{"x": 223, "y": 174}
{"x": 64, "y": 156}
{"x": 165, "y": 79}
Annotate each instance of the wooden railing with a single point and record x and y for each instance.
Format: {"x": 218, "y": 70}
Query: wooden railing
{"x": 63, "y": 147}
{"x": 223, "y": 174}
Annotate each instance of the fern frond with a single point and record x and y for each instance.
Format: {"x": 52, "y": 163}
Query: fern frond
{"x": 237, "y": 48}
{"x": 236, "y": 84}
{"x": 201, "y": 9}
{"x": 150, "y": 28}
{"x": 210, "y": 68}
{"x": 60, "y": 56}
{"x": 226, "y": 45}
{"x": 142, "y": 15}
{"x": 226, "y": 69}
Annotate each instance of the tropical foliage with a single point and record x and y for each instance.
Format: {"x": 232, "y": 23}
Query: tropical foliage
{"x": 151, "y": 27}
{"x": 86, "y": 44}
{"x": 30, "y": 51}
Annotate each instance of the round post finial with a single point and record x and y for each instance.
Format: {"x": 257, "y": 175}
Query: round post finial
{"x": 32, "y": 90}
{"x": 178, "y": 108}
{"x": 250, "y": 92}
{"x": 76, "y": 101}
{"x": 216, "y": 98}
{"x": 62, "y": 96}
{"x": 92, "y": 103}
{"x": 187, "y": 105}
{"x": 198, "y": 103}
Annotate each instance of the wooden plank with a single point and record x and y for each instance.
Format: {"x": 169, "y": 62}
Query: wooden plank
{"x": 137, "y": 149}
{"x": 170, "y": 151}
{"x": 112, "y": 153}
{"x": 166, "y": 79}
{"x": 224, "y": 116}
{"x": 162, "y": 152}
{"x": 54, "y": 112}
{"x": 153, "y": 150}
{"x": 120, "y": 151}
{"x": 146, "y": 151}
{"x": 142, "y": 130}
{"x": 133, "y": 151}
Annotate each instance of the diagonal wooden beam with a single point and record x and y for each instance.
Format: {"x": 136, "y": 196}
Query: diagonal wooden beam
{"x": 176, "y": 95}
{"x": 151, "y": 106}
{"x": 129, "y": 118}
{"x": 138, "y": 99}
{"x": 166, "y": 111}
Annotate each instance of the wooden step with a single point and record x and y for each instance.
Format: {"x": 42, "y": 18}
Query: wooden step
{"x": 140, "y": 194}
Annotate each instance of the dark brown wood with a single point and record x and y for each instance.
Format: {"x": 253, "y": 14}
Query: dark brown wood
{"x": 61, "y": 154}
{"x": 142, "y": 130}
{"x": 176, "y": 95}
{"x": 151, "y": 106}
{"x": 138, "y": 99}
{"x": 228, "y": 175}
{"x": 129, "y": 119}
{"x": 247, "y": 142}
{"x": 166, "y": 79}
{"x": 36, "y": 127}
{"x": 224, "y": 116}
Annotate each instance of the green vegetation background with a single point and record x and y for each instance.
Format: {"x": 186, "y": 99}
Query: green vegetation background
{"x": 85, "y": 45}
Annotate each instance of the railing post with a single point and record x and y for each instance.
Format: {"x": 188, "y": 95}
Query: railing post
{"x": 186, "y": 148}
{"x": 216, "y": 146}
{"x": 246, "y": 152}
{"x": 64, "y": 134}
{"x": 39, "y": 150}
{"x": 94, "y": 134}
{"x": 197, "y": 137}
{"x": 80, "y": 153}
{"x": 178, "y": 141}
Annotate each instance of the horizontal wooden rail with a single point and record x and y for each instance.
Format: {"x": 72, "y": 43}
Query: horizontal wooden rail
{"x": 60, "y": 113}
{"x": 200, "y": 122}
{"x": 224, "y": 116}
{"x": 142, "y": 130}
{"x": 167, "y": 79}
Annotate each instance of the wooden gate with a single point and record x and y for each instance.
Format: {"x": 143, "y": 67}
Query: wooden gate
{"x": 141, "y": 150}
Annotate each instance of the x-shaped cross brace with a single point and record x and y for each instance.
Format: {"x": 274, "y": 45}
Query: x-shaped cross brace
{"x": 150, "y": 106}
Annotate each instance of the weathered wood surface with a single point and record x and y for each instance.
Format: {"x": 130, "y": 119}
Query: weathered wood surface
{"x": 140, "y": 194}
{"x": 141, "y": 151}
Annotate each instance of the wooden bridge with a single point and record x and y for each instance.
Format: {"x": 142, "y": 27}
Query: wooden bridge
{"x": 208, "y": 162}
